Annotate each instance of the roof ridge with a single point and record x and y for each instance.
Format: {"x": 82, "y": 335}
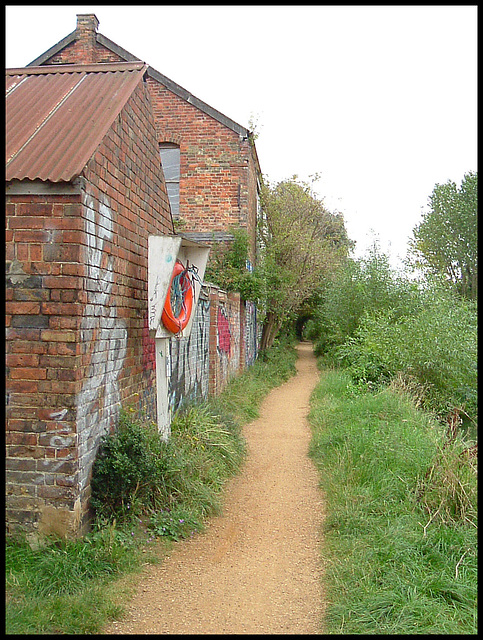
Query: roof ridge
{"x": 99, "y": 67}
{"x": 170, "y": 84}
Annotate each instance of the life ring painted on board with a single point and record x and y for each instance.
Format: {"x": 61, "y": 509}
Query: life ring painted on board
{"x": 175, "y": 320}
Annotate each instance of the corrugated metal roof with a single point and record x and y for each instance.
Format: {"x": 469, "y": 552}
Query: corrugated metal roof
{"x": 159, "y": 77}
{"x": 56, "y": 116}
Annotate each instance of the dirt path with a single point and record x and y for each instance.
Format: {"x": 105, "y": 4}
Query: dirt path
{"x": 256, "y": 569}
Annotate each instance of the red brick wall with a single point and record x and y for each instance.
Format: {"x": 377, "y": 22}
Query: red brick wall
{"x": 43, "y": 310}
{"x": 218, "y": 167}
{"x": 125, "y": 202}
{"x": 76, "y": 315}
{"x": 213, "y": 165}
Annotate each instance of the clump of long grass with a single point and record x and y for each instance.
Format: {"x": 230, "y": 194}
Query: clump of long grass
{"x": 60, "y": 587}
{"x": 137, "y": 474}
{"x": 394, "y": 564}
{"x": 242, "y": 397}
{"x": 448, "y": 491}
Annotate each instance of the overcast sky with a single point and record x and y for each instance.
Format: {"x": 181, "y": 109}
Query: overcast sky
{"x": 381, "y": 101}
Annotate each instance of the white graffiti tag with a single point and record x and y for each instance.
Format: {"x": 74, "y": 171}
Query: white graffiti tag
{"x": 104, "y": 338}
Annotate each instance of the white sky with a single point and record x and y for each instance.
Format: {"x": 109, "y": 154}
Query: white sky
{"x": 379, "y": 100}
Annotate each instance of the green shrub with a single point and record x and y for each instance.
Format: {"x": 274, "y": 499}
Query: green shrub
{"x": 227, "y": 267}
{"x": 137, "y": 473}
{"x": 129, "y": 470}
{"x": 358, "y": 288}
{"x": 436, "y": 346}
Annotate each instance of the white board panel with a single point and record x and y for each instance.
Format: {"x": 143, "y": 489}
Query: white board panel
{"x": 162, "y": 254}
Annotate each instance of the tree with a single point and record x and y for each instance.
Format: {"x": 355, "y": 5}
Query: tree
{"x": 301, "y": 242}
{"x": 445, "y": 242}
{"x": 361, "y": 286}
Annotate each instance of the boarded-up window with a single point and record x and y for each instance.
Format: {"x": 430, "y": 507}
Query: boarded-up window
{"x": 170, "y": 160}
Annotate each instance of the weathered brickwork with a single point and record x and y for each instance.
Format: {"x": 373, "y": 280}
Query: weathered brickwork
{"x": 214, "y": 169}
{"x": 226, "y": 338}
{"x": 77, "y": 339}
{"x": 125, "y": 202}
{"x": 85, "y": 49}
{"x": 218, "y": 182}
{"x": 43, "y": 310}
{"x": 76, "y": 311}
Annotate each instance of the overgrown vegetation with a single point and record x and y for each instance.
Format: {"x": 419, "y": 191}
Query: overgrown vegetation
{"x": 302, "y": 242}
{"x": 144, "y": 491}
{"x": 382, "y": 326}
{"x": 394, "y": 430}
{"x": 228, "y": 267}
{"x": 445, "y": 242}
{"x": 299, "y": 242}
{"x": 136, "y": 474}
{"x": 400, "y": 533}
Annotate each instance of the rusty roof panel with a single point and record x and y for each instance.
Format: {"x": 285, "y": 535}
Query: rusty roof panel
{"x": 58, "y": 115}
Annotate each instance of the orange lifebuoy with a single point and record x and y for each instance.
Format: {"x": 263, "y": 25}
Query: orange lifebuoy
{"x": 176, "y": 320}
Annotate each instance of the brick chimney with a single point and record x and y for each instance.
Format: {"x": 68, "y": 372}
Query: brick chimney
{"x": 86, "y": 29}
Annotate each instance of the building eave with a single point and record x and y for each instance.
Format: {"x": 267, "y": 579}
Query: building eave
{"x": 175, "y": 88}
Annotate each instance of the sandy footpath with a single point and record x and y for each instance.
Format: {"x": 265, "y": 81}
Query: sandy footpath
{"x": 256, "y": 569}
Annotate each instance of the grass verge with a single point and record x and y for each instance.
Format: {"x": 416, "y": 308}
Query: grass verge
{"x": 400, "y": 533}
{"x": 78, "y": 586}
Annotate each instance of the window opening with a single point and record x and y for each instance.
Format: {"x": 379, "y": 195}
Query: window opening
{"x": 170, "y": 161}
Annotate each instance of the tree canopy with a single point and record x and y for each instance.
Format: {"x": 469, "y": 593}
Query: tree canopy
{"x": 301, "y": 242}
{"x": 445, "y": 242}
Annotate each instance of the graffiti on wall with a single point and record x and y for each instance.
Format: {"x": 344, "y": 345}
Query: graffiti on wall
{"x": 233, "y": 309}
{"x": 189, "y": 360}
{"x": 224, "y": 333}
{"x": 250, "y": 333}
{"x": 228, "y": 340}
{"x": 104, "y": 339}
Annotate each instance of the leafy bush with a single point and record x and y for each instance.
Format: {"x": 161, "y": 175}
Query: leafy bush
{"x": 359, "y": 288}
{"x": 228, "y": 270}
{"x": 435, "y": 345}
{"x": 137, "y": 473}
{"x": 129, "y": 470}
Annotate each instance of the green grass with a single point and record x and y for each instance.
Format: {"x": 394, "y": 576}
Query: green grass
{"x": 60, "y": 587}
{"x": 77, "y": 586}
{"x": 400, "y": 532}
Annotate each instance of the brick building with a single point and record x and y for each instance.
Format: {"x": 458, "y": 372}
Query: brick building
{"x": 210, "y": 162}
{"x": 103, "y": 152}
{"x": 84, "y": 191}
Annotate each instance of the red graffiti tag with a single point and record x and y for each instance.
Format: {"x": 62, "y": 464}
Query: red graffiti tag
{"x": 224, "y": 335}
